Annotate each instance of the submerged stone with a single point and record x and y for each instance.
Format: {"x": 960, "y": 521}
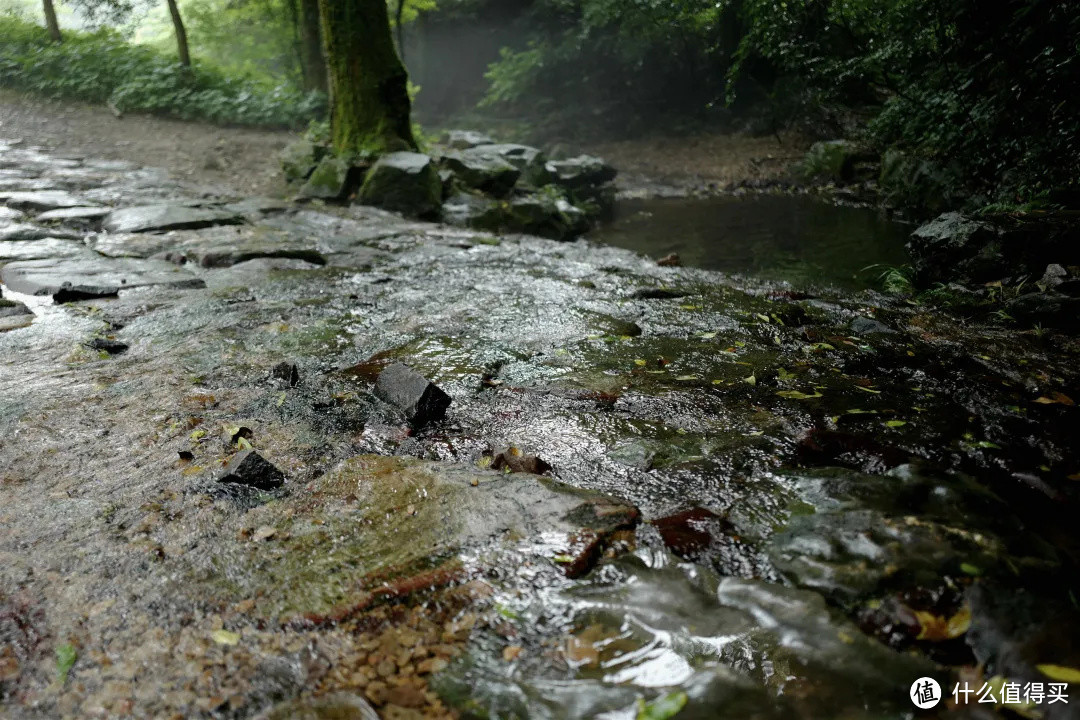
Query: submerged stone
{"x": 152, "y": 218}
{"x": 250, "y": 468}
{"x": 83, "y": 278}
{"x": 41, "y": 200}
{"x": 421, "y": 400}
{"x": 108, "y": 345}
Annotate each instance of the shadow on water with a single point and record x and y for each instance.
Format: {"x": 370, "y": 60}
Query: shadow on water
{"x": 795, "y": 238}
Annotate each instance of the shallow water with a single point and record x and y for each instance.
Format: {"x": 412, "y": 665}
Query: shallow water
{"x": 797, "y": 238}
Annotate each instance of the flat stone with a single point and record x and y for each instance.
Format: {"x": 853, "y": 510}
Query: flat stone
{"x": 129, "y": 245}
{"x": 868, "y": 326}
{"x": 23, "y": 231}
{"x": 74, "y": 213}
{"x": 421, "y": 400}
{"x": 83, "y": 278}
{"x": 251, "y": 469}
{"x": 49, "y": 247}
{"x": 151, "y": 218}
{"x": 225, "y": 247}
{"x": 488, "y": 172}
{"x": 41, "y": 200}
{"x": 256, "y": 207}
{"x": 8, "y": 214}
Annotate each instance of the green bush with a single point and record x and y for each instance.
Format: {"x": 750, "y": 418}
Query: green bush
{"x": 102, "y": 67}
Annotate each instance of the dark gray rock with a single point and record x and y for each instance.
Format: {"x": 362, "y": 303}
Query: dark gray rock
{"x": 153, "y": 218}
{"x": 108, "y": 345}
{"x": 473, "y": 211}
{"x": 465, "y": 139}
{"x": 18, "y": 232}
{"x": 11, "y": 308}
{"x": 421, "y": 400}
{"x": 529, "y": 160}
{"x": 82, "y": 278}
{"x": 1053, "y": 276}
{"x": 257, "y": 207}
{"x": 287, "y": 372}
{"x": 405, "y": 182}
{"x": 225, "y": 247}
{"x": 1047, "y": 309}
{"x": 251, "y": 469}
{"x": 329, "y": 180}
{"x": 487, "y": 172}
{"x": 582, "y": 171}
{"x": 546, "y": 215}
{"x": 868, "y": 326}
{"x": 41, "y": 200}
{"x": 956, "y": 247}
{"x": 299, "y": 159}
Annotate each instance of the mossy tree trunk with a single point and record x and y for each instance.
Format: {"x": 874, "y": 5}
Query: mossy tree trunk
{"x": 369, "y": 99}
{"x": 311, "y": 47}
{"x": 181, "y": 34}
{"x": 50, "y": 22}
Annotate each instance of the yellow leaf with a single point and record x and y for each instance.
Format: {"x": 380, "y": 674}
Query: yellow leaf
{"x": 1060, "y": 672}
{"x": 224, "y": 637}
{"x": 938, "y": 629}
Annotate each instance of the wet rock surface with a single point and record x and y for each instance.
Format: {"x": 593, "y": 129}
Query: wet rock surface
{"x": 753, "y": 497}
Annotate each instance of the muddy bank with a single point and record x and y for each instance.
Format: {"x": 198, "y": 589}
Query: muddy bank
{"x": 653, "y": 485}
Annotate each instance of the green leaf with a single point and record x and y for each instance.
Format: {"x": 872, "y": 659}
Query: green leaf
{"x": 796, "y": 395}
{"x": 66, "y": 655}
{"x": 865, "y": 389}
{"x": 662, "y": 708}
{"x": 1057, "y": 672}
{"x": 708, "y": 335}
{"x": 895, "y": 423}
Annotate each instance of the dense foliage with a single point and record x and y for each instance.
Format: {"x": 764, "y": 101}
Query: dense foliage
{"x": 102, "y": 67}
{"x": 985, "y": 93}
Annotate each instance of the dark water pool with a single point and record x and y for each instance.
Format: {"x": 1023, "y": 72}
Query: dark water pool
{"x": 796, "y": 238}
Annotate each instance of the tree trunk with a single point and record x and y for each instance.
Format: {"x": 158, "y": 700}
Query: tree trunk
{"x": 369, "y": 99}
{"x": 311, "y": 47}
{"x": 181, "y": 34}
{"x": 400, "y": 29}
{"x": 51, "y": 23}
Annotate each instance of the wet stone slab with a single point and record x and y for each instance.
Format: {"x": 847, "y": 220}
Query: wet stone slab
{"x": 74, "y": 214}
{"x": 154, "y": 218}
{"x": 48, "y": 247}
{"x": 41, "y": 200}
{"x": 76, "y": 279}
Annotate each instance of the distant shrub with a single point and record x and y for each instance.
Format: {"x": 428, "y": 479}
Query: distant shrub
{"x": 102, "y": 67}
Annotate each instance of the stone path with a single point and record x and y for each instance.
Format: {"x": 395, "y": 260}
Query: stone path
{"x": 753, "y": 500}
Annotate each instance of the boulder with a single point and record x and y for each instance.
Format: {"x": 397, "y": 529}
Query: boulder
{"x": 329, "y": 180}
{"x": 581, "y": 171}
{"x": 421, "y": 400}
{"x": 299, "y": 159}
{"x": 546, "y": 215}
{"x": 465, "y": 139}
{"x": 955, "y": 247}
{"x": 251, "y": 469}
{"x": 155, "y": 218}
{"x": 473, "y": 211}
{"x": 11, "y": 308}
{"x": 405, "y": 182}
{"x": 1046, "y": 309}
{"x": 529, "y": 160}
{"x": 483, "y": 171}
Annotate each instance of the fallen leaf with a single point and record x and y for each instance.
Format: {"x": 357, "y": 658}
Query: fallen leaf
{"x": 937, "y": 629}
{"x": 895, "y": 423}
{"x": 224, "y": 637}
{"x": 1060, "y": 672}
{"x": 865, "y": 389}
{"x": 796, "y": 395}
{"x": 1055, "y": 398}
{"x": 708, "y": 335}
{"x": 662, "y": 708}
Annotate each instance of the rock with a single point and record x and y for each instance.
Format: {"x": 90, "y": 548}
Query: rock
{"x": 546, "y": 215}
{"x": 49, "y": 247}
{"x": 1053, "y": 276}
{"x": 254, "y": 208}
{"x": 299, "y": 159}
{"x": 465, "y": 139}
{"x": 956, "y": 247}
{"x": 84, "y": 278}
{"x": 8, "y": 214}
{"x": 420, "y": 399}
{"x": 19, "y": 232}
{"x": 405, "y": 182}
{"x": 249, "y": 468}
{"x": 112, "y": 347}
{"x": 530, "y": 161}
{"x": 74, "y": 214}
{"x": 41, "y": 200}
{"x": 287, "y": 372}
{"x": 513, "y": 460}
{"x": 1046, "y": 309}
{"x": 487, "y": 172}
{"x": 154, "y": 218}
{"x": 868, "y": 326}
{"x": 581, "y": 171}
{"x": 700, "y": 535}
{"x": 225, "y": 247}
{"x": 670, "y": 260}
{"x": 10, "y": 308}
{"x": 473, "y": 211}
{"x": 329, "y": 180}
